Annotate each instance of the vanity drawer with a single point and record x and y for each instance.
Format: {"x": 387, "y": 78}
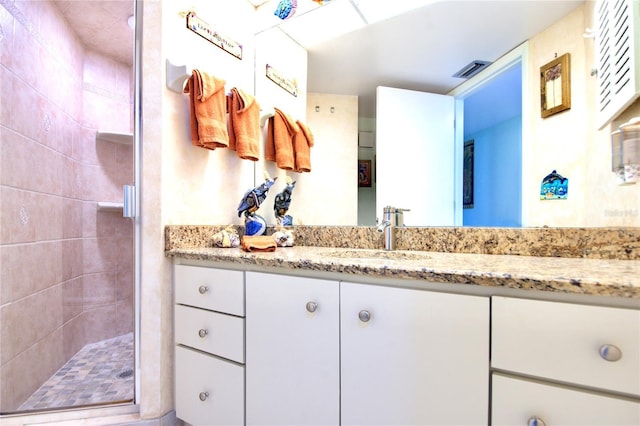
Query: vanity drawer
{"x": 209, "y": 391}
{"x": 515, "y": 401}
{"x": 563, "y": 342}
{"x": 222, "y": 335}
{"x": 215, "y": 289}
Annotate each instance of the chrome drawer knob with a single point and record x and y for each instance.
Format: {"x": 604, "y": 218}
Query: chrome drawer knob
{"x": 610, "y": 353}
{"x": 312, "y": 307}
{"x": 535, "y": 421}
{"x": 203, "y": 396}
{"x": 203, "y": 333}
{"x": 203, "y": 289}
{"x": 364, "y": 316}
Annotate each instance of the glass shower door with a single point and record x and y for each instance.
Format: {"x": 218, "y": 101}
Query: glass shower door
{"x": 66, "y": 251}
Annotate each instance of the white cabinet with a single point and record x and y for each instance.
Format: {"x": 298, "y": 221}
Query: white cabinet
{"x": 518, "y": 402}
{"x": 413, "y": 357}
{"x": 293, "y": 364}
{"x": 209, "y": 354}
{"x": 594, "y": 352}
{"x": 268, "y": 349}
{"x": 420, "y": 358}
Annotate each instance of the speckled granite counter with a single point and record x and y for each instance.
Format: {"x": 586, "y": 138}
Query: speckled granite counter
{"x": 587, "y": 276}
{"x": 593, "y": 243}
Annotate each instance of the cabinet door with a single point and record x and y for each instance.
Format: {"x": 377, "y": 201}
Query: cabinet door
{"x": 516, "y": 401}
{"x": 292, "y": 354}
{"x": 420, "y": 358}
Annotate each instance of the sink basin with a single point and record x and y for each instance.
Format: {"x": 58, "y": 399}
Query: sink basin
{"x": 363, "y": 254}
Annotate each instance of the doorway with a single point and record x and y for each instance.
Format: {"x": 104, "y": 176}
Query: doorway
{"x": 489, "y": 144}
{"x": 493, "y": 141}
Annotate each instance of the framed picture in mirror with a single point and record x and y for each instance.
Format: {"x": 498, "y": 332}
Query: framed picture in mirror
{"x": 467, "y": 175}
{"x": 364, "y": 173}
{"x": 555, "y": 86}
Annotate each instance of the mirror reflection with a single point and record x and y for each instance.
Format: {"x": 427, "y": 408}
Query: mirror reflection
{"x": 498, "y": 109}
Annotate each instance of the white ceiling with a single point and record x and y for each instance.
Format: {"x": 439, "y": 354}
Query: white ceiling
{"x": 420, "y": 49}
{"x": 101, "y": 25}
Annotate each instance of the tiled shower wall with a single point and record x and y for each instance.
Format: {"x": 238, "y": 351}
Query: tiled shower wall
{"x": 66, "y": 269}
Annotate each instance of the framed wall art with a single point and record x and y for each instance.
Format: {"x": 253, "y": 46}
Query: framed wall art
{"x": 364, "y": 173}
{"x": 467, "y": 175}
{"x": 555, "y": 86}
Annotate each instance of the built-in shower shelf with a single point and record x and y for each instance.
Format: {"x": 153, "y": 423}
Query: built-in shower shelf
{"x": 107, "y": 206}
{"x": 121, "y": 138}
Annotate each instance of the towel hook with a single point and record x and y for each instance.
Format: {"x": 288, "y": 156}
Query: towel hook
{"x": 265, "y": 115}
{"x": 177, "y": 75}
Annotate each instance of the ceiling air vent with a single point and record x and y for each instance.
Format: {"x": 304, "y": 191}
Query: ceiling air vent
{"x": 472, "y": 69}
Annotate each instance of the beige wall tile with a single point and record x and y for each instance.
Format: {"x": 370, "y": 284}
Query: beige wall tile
{"x": 17, "y": 208}
{"x": 6, "y": 94}
{"x": 28, "y": 320}
{"x": 73, "y": 337}
{"x": 124, "y": 313}
{"x": 24, "y": 374}
{"x": 98, "y": 290}
{"x": 71, "y": 258}
{"x": 24, "y": 100}
{"x": 72, "y": 299}
{"x": 6, "y": 29}
{"x": 99, "y": 324}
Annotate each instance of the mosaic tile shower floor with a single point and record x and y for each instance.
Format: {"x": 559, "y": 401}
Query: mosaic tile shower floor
{"x": 100, "y": 373}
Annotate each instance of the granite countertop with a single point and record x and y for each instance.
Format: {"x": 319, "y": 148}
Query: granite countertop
{"x": 603, "y": 277}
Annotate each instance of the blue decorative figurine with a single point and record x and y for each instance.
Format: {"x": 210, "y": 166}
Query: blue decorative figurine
{"x": 282, "y": 203}
{"x": 286, "y": 9}
{"x": 255, "y": 224}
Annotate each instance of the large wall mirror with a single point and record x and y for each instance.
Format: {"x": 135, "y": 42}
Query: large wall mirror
{"x": 420, "y": 50}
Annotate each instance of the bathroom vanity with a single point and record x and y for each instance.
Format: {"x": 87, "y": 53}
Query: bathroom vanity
{"x": 325, "y": 335}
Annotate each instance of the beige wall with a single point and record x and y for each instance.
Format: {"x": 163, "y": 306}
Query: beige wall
{"x": 67, "y": 269}
{"x": 181, "y": 183}
{"x": 570, "y": 142}
{"x": 329, "y": 194}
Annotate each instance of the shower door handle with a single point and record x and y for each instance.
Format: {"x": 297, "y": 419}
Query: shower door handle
{"x": 129, "y": 206}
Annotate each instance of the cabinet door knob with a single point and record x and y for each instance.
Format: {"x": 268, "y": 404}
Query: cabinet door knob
{"x": 203, "y": 333}
{"x": 203, "y": 396}
{"x": 610, "y": 353}
{"x": 312, "y": 306}
{"x": 203, "y": 289}
{"x": 364, "y": 316}
{"x": 535, "y": 421}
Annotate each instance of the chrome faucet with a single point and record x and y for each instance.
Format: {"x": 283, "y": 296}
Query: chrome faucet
{"x": 391, "y": 218}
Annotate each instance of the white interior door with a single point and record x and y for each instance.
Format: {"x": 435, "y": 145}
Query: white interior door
{"x": 415, "y": 155}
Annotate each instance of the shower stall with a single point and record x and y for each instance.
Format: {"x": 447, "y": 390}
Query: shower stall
{"x": 67, "y": 299}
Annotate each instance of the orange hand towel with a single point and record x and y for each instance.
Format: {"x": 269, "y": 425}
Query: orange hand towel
{"x": 280, "y": 135}
{"x": 193, "y": 124}
{"x": 302, "y": 142}
{"x": 244, "y": 124}
{"x": 258, "y": 243}
{"x": 207, "y": 105}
